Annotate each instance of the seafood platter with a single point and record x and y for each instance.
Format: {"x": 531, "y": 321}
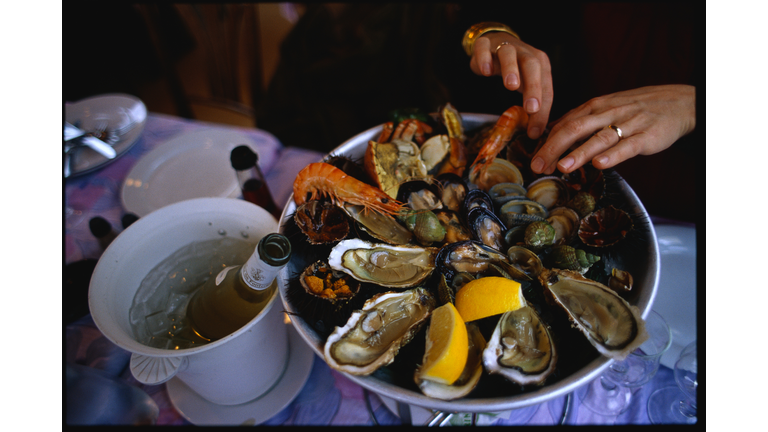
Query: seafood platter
{"x": 395, "y": 221}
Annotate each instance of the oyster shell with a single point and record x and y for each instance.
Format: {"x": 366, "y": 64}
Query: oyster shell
{"x": 380, "y": 226}
{"x": 373, "y": 335}
{"x": 611, "y": 325}
{"x": 521, "y": 348}
{"x": 468, "y": 379}
{"x": 383, "y": 264}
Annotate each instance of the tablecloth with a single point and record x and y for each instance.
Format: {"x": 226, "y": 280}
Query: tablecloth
{"x": 328, "y": 397}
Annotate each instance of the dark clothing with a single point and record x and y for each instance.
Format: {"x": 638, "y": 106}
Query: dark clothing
{"x": 339, "y": 76}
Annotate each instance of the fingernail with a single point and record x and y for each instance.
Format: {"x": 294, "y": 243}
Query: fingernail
{"x": 602, "y": 160}
{"x": 532, "y": 105}
{"x": 486, "y": 69}
{"x": 537, "y": 164}
{"x": 534, "y": 133}
{"x": 511, "y": 80}
{"x": 566, "y": 163}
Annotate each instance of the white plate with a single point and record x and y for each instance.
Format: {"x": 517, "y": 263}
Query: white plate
{"x": 117, "y": 110}
{"x": 191, "y": 165}
{"x": 200, "y": 411}
{"x": 676, "y": 296}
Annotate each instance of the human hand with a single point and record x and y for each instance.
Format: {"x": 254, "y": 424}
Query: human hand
{"x": 650, "y": 118}
{"x": 523, "y": 68}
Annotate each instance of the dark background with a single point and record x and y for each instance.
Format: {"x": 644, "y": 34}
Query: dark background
{"x": 340, "y": 74}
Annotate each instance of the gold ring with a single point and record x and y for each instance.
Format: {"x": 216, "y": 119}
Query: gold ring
{"x": 617, "y": 129}
{"x": 496, "y": 51}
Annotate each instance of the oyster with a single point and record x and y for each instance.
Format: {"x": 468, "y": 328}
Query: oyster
{"x": 611, "y": 325}
{"x": 383, "y": 264}
{"x": 521, "y": 348}
{"x": 468, "y": 379}
{"x": 373, "y": 335}
{"x": 380, "y": 226}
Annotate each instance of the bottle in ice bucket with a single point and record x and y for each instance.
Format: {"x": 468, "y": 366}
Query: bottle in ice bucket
{"x": 229, "y": 300}
{"x": 251, "y": 180}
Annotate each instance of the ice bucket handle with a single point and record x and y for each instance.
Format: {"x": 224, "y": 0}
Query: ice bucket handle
{"x": 156, "y": 370}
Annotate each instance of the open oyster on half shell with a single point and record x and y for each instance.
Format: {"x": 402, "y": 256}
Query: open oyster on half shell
{"x": 610, "y": 323}
{"x": 521, "y": 348}
{"x": 373, "y": 335}
{"x": 383, "y": 264}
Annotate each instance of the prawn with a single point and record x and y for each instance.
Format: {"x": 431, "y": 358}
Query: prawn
{"x": 320, "y": 179}
{"x": 513, "y": 119}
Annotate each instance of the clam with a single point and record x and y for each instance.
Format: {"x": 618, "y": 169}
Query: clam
{"x": 322, "y": 222}
{"x": 549, "y": 191}
{"x": 610, "y": 324}
{"x": 486, "y": 227}
{"x": 499, "y": 171}
{"x": 522, "y": 212}
{"x": 604, "y": 227}
{"x": 502, "y": 192}
{"x": 435, "y": 152}
{"x": 468, "y": 379}
{"x": 373, "y": 336}
{"x": 380, "y": 226}
{"x": 525, "y": 261}
{"x": 383, "y": 264}
{"x": 521, "y": 348}
{"x": 565, "y": 221}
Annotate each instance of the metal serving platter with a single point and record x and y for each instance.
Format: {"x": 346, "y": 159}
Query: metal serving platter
{"x": 644, "y": 266}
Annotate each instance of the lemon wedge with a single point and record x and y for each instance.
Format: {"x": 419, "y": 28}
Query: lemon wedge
{"x": 489, "y": 296}
{"x": 447, "y": 346}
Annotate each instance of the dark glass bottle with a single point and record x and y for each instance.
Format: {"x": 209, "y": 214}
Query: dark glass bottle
{"x": 229, "y": 300}
{"x": 102, "y": 230}
{"x": 251, "y": 180}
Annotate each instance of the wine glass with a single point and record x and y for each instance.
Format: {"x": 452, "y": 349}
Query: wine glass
{"x": 677, "y": 404}
{"x": 610, "y": 394}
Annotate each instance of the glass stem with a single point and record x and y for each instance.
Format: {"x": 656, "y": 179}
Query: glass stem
{"x": 607, "y": 384}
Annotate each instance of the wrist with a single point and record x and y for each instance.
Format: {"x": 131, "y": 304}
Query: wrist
{"x": 478, "y": 30}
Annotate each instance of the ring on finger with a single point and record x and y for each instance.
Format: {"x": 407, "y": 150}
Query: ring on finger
{"x": 496, "y": 51}
{"x": 617, "y": 129}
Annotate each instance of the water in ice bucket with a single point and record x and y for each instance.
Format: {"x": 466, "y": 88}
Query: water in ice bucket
{"x": 158, "y": 311}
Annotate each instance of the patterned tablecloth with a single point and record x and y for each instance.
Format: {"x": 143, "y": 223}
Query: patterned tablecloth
{"x": 328, "y": 397}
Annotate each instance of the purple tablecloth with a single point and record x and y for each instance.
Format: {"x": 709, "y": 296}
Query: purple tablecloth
{"x": 328, "y": 397}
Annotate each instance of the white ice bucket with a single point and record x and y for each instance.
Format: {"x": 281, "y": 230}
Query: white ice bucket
{"x": 235, "y": 369}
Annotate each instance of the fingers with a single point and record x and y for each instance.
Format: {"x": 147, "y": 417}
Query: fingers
{"x": 507, "y": 56}
{"x": 482, "y": 58}
{"x": 537, "y": 94}
{"x": 560, "y": 139}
